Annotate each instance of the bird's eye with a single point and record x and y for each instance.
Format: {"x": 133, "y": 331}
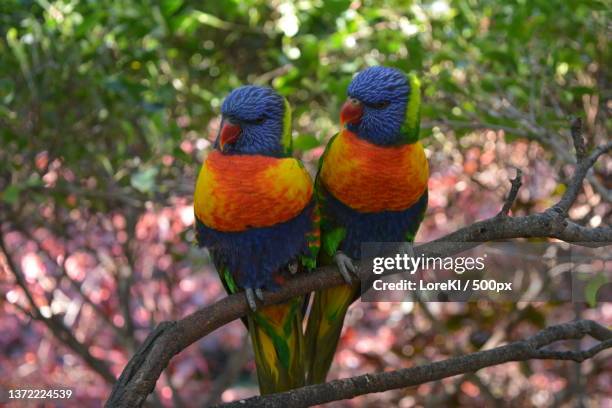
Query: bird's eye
{"x": 380, "y": 105}
{"x": 260, "y": 120}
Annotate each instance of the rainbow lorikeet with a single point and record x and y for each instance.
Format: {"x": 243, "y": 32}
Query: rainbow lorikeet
{"x": 255, "y": 212}
{"x": 371, "y": 187}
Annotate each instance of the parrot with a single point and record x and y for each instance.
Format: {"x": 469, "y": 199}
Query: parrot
{"x": 256, "y": 214}
{"x": 371, "y": 186}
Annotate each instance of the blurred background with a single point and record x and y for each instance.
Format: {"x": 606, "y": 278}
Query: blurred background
{"x": 108, "y": 108}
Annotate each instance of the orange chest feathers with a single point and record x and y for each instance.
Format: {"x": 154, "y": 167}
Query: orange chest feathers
{"x": 238, "y": 192}
{"x": 371, "y": 178}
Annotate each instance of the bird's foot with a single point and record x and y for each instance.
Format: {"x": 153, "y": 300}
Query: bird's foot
{"x": 345, "y": 264}
{"x": 259, "y": 294}
{"x": 250, "y": 296}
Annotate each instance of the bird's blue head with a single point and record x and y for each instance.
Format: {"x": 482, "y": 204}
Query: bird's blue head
{"x": 255, "y": 120}
{"x": 383, "y": 106}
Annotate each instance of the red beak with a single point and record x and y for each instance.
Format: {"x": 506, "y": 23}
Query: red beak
{"x": 229, "y": 135}
{"x": 351, "y": 111}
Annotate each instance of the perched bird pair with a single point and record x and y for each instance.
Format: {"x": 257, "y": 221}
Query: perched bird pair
{"x": 263, "y": 221}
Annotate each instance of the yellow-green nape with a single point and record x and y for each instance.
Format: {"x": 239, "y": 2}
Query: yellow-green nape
{"x": 287, "y": 139}
{"x": 412, "y": 122}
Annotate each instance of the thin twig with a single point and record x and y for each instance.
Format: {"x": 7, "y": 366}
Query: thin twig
{"x": 580, "y": 172}
{"x": 516, "y": 185}
{"x": 576, "y": 131}
{"x": 54, "y": 323}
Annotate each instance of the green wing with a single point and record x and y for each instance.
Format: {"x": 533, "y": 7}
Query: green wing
{"x": 329, "y": 305}
{"x": 331, "y": 233}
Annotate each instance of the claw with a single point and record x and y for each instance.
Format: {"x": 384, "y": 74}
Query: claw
{"x": 345, "y": 264}
{"x": 250, "y": 296}
{"x": 259, "y": 294}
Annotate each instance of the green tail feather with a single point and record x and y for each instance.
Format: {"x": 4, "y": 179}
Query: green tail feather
{"x": 278, "y": 342}
{"x": 324, "y": 328}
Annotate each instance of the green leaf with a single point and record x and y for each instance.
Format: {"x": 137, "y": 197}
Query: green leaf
{"x": 168, "y": 7}
{"x": 10, "y": 195}
{"x": 144, "y": 180}
{"x": 578, "y": 91}
{"x": 534, "y": 316}
{"x": 592, "y": 287}
{"x": 34, "y": 181}
{"x": 305, "y": 142}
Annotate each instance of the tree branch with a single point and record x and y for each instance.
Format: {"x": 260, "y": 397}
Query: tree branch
{"x": 170, "y": 338}
{"x": 521, "y": 350}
